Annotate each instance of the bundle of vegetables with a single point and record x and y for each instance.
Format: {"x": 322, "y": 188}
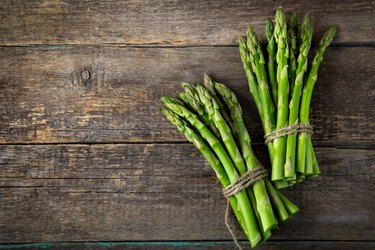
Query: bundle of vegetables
{"x": 210, "y": 117}
{"x": 282, "y": 92}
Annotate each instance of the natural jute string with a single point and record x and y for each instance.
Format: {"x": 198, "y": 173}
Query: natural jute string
{"x": 288, "y": 130}
{"x": 243, "y": 182}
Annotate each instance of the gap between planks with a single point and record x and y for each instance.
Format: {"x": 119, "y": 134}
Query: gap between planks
{"x": 186, "y": 243}
{"x": 360, "y": 145}
{"x": 162, "y": 46}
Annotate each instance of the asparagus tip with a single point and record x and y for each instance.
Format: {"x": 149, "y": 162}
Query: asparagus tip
{"x": 164, "y": 99}
{"x": 269, "y": 29}
{"x": 185, "y": 84}
{"x": 207, "y": 79}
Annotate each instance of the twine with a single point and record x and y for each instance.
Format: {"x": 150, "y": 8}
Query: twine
{"x": 288, "y": 130}
{"x": 243, "y": 182}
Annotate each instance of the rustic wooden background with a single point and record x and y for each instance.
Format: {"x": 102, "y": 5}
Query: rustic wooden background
{"x": 87, "y": 161}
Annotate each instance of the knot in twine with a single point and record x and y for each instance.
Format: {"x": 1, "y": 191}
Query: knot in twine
{"x": 288, "y": 130}
{"x": 243, "y": 182}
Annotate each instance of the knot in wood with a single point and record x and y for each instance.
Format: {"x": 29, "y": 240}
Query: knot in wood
{"x": 85, "y": 75}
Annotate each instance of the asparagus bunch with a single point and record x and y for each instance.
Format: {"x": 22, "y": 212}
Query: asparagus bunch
{"x": 210, "y": 117}
{"x": 278, "y": 94}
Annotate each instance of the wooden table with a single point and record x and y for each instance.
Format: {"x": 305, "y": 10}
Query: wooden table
{"x": 85, "y": 155}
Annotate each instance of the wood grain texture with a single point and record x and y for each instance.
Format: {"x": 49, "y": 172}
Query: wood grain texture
{"x": 76, "y": 76}
{"x": 220, "y": 245}
{"x": 103, "y": 94}
{"x": 179, "y": 22}
{"x": 52, "y": 193}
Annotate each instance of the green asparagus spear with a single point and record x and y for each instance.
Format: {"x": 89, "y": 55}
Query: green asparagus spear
{"x": 292, "y": 36}
{"x": 278, "y": 204}
{"x": 271, "y": 49}
{"x": 306, "y": 97}
{"x": 306, "y": 36}
{"x": 265, "y": 234}
{"x": 253, "y": 85}
{"x": 309, "y": 170}
{"x": 282, "y": 55}
{"x": 316, "y": 170}
{"x": 290, "y": 207}
{"x": 257, "y": 62}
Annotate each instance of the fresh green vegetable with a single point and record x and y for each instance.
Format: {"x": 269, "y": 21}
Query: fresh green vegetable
{"x": 258, "y": 208}
{"x": 306, "y": 36}
{"x": 304, "y": 138}
{"x": 249, "y": 221}
{"x": 211, "y": 118}
{"x": 253, "y": 85}
{"x": 279, "y": 144}
{"x": 292, "y": 37}
{"x": 258, "y": 67}
{"x": 292, "y": 155}
{"x": 258, "y": 87}
{"x": 271, "y": 49}
{"x": 210, "y": 156}
{"x": 264, "y": 207}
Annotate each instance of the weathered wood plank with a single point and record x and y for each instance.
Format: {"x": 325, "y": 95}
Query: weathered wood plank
{"x": 206, "y": 22}
{"x": 220, "y": 245}
{"x": 52, "y": 193}
{"x": 50, "y": 95}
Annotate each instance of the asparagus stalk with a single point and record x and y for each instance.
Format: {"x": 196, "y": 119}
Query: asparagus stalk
{"x": 271, "y": 49}
{"x": 243, "y": 201}
{"x": 292, "y": 36}
{"x": 316, "y": 170}
{"x": 306, "y": 97}
{"x": 265, "y": 234}
{"x": 282, "y": 55}
{"x": 306, "y": 36}
{"x": 263, "y": 203}
{"x": 210, "y": 156}
{"x": 309, "y": 170}
{"x": 290, "y": 207}
{"x": 278, "y": 204}
{"x": 257, "y": 63}
{"x": 253, "y": 85}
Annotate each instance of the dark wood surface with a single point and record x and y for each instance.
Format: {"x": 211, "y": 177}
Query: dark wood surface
{"x": 208, "y": 22}
{"x": 111, "y": 94}
{"x": 85, "y": 155}
{"x": 165, "y": 192}
{"x": 201, "y": 245}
